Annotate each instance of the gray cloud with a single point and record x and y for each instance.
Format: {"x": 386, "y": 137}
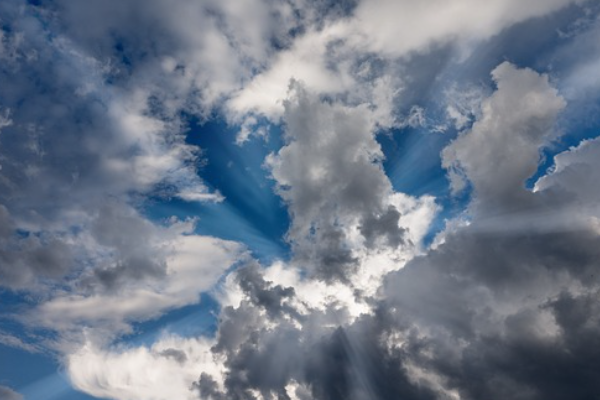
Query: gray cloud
{"x": 312, "y": 357}
{"x": 131, "y": 237}
{"x": 330, "y": 175}
{"x": 175, "y": 354}
{"x": 498, "y": 310}
{"x": 78, "y": 143}
{"x": 262, "y": 294}
{"x": 501, "y": 150}
{"x": 90, "y": 124}
{"x": 573, "y": 171}
{"x": 491, "y": 304}
{"x": 7, "y": 393}
{"x": 25, "y": 257}
{"x": 490, "y": 312}
{"x": 385, "y": 226}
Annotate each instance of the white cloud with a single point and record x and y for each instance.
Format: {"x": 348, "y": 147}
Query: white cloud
{"x": 349, "y": 229}
{"x": 164, "y": 371}
{"x": 306, "y": 61}
{"x": 395, "y": 28}
{"x": 194, "y": 264}
{"x": 325, "y": 59}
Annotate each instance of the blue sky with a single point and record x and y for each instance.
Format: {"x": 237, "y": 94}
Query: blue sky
{"x": 299, "y": 199}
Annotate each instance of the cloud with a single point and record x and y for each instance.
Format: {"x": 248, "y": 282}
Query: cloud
{"x": 94, "y": 115}
{"x": 170, "y": 272}
{"x": 482, "y": 315}
{"x": 332, "y": 57}
{"x": 573, "y": 170}
{"x": 330, "y": 175}
{"x": 276, "y": 320}
{"x": 7, "y": 393}
{"x": 483, "y": 309}
{"x": 22, "y": 259}
{"x": 142, "y": 373}
{"x": 501, "y": 149}
{"x": 76, "y": 144}
{"x": 421, "y": 25}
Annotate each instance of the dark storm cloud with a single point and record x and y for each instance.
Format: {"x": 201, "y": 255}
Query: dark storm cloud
{"x": 488, "y": 315}
{"x": 492, "y": 303}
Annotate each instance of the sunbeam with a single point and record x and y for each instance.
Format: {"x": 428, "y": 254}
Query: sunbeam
{"x": 299, "y": 200}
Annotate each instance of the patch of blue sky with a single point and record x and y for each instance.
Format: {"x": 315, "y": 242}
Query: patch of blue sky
{"x": 572, "y": 137}
{"x": 55, "y": 386}
{"x": 413, "y": 165}
{"x": 190, "y": 321}
{"x": 35, "y": 376}
{"x": 251, "y": 212}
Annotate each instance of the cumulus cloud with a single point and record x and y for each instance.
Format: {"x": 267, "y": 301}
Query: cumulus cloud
{"x": 93, "y": 118}
{"x": 331, "y": 177}
{"x": 572, "y": 172}
{"x": 491, "y": 301}
{"x": 274, "y": 317}
{"x": 482, "y": 315}
{"x": 501, "y": 150}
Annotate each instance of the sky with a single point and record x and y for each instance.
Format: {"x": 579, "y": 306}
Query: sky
{"x": 299, "y": 199}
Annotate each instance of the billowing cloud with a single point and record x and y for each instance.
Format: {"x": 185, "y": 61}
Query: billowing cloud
{"x": 486, "y": 312}
{"x": 501, "y": 150}
{"x": 331, "y": 176}
{"x": 573, "y": 170}
{"x": 473, "y": 285}
{"x": 482, "y": 315}
{"x": 335, "y": 57}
